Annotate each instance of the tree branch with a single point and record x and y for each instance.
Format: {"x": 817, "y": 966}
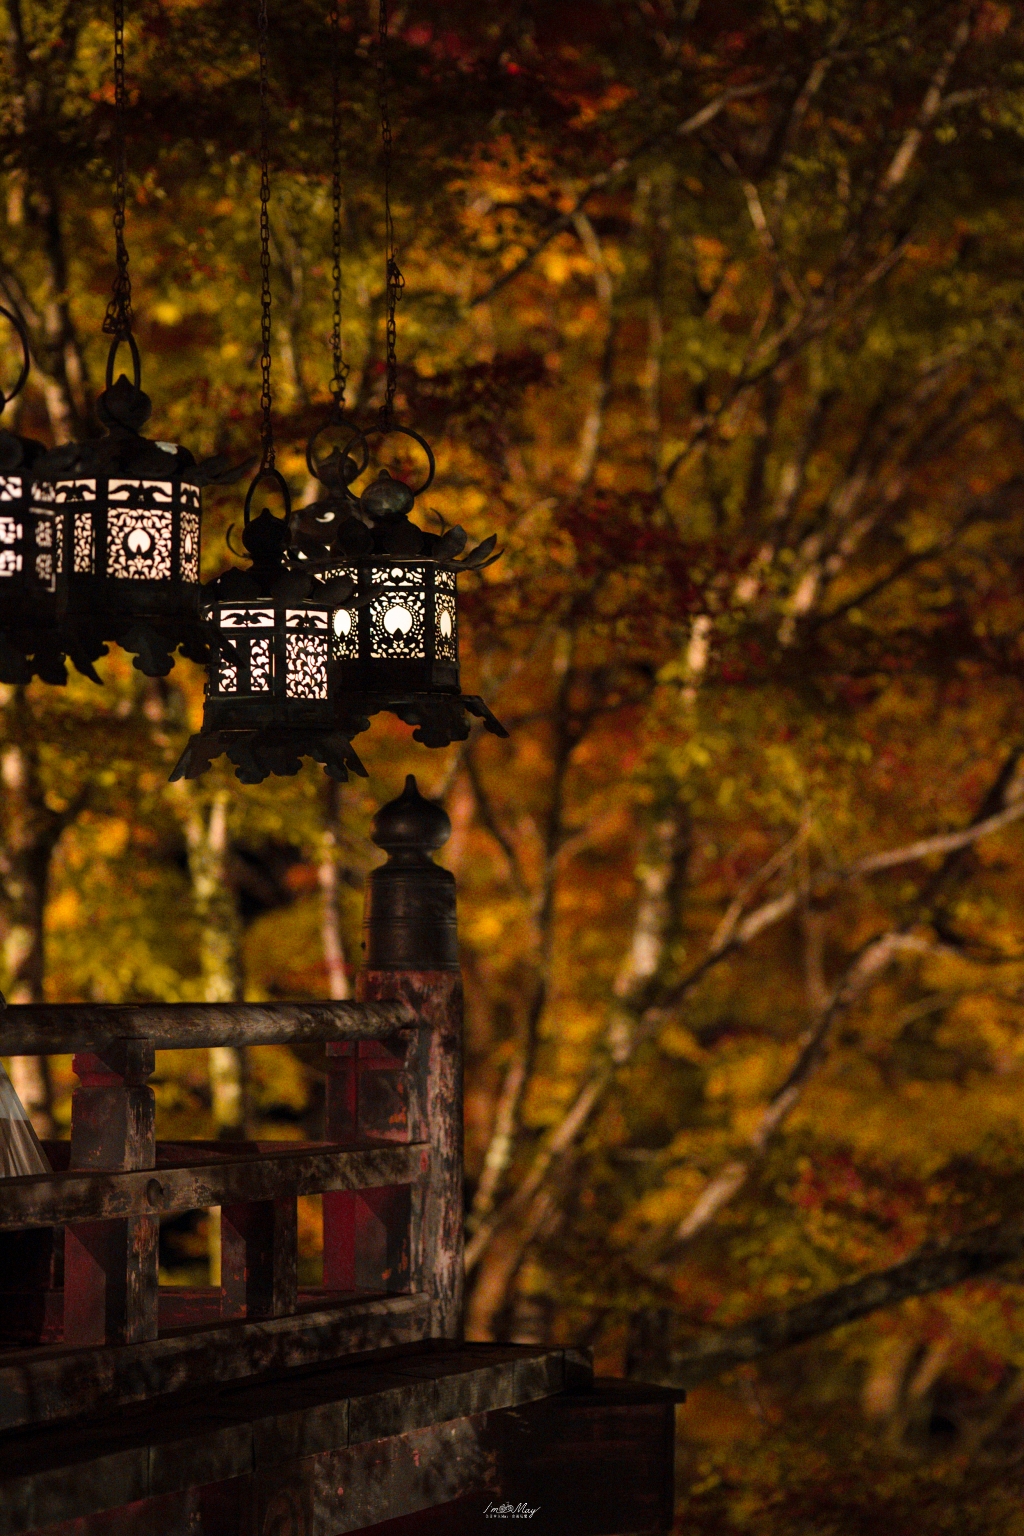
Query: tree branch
{"x": 614, "y": 174}
{"x": 931, "y": 1269}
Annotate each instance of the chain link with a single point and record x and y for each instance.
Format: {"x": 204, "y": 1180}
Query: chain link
{"x": 266, "y": 399}
{"x": 394, "y": 282}
{"x": 118, "y": 319}
{"x": 340, "y": 375}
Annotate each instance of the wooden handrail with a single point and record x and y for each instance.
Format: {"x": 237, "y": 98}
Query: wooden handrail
{"x": 43, "y": 1200}
{"x": 36, "y": 1029}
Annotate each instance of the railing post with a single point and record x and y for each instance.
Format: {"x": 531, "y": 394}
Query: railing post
{"x": 110, "y": 1267}
{"x": 410, "y": 1238}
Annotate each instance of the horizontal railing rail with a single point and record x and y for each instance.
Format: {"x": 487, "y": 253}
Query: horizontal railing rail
{"x": 47, "y": 1200}
{"x": 52, "y": 1029}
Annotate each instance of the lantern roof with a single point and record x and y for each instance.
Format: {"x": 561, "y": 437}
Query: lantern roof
{"x": 123, "y": 409}
{"x": 342, "y": 526}
{"x": 18, "y": 454}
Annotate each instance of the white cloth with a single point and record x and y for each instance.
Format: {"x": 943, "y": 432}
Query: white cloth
{"x": 20, "y": 1151}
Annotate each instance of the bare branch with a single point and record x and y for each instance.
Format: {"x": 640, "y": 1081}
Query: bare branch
{"x": 901, "y": 162}
{"x": 607, "y": 178}
{"x": 933, "y": 1268}
{"x": 593, "y": 422}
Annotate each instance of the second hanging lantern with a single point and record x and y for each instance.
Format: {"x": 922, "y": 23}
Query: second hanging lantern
{"x": 271, "y": 692}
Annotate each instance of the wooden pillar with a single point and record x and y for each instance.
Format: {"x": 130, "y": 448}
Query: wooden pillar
{"x": 409, "y": 1089}
{"x": 110, "y": 1267}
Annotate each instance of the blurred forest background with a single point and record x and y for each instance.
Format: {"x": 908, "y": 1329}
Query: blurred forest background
{"x": 715, "y": 313}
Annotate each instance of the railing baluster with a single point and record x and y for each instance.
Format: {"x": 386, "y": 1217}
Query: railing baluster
{"x": 259, "y": 1259}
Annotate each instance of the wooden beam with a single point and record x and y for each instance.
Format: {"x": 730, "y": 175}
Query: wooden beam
{"x": 37, "y": 1385}
{"x": 62, "y": 1028}
{"x": 47, "y": 1200}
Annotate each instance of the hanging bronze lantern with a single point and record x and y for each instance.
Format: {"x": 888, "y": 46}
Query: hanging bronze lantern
{"x": 30, "y": 554}
{"x": 395, "y": 646}
{"x": 127, "y": 510}
{"x": 395, "y": 642}
{"x": 270, "y": 698}
{"x": 129, "y": 513}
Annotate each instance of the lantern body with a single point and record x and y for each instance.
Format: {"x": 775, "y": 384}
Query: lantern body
{"x": 270, "y": 666}
{"x": 130, "y": 571}
{"x": 31, "y": 539}
{"x": 270, "y": 695}
{"x": 403, "y": 636}
{"x": 31, "y": 559}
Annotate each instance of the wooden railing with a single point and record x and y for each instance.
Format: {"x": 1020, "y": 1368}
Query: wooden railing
{"x": 79, "y": 1246}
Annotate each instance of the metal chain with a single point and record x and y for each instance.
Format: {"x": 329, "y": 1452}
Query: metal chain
{"x": 394, "y": 282}
{"x": 266, "y": 399}
{"x": 340, "y": 375}
{"x": 118, "y": 319}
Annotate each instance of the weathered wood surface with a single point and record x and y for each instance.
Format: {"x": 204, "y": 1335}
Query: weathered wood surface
{"x": 46, "y": 1200}
{"x": 423, "y": 1100}
{"x": 259, "y": 1258}
{"x": 343, "y": 1443}
{"x": 111, "y": 1266}
{"x": 597, "y": 1463}
{"x": 53, "y": 1382}
{"x": 28, "y": 1029}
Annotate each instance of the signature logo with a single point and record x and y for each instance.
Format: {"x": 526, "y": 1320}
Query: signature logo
{"x": 510, "y": 1511}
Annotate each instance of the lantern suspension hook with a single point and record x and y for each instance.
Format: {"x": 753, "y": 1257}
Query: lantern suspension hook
{"x": 275, "y": 477}
{"x": 391, "y": 431}
{"x": 316, "y": 465}
{"x": 117, "y": 322}
{"x": 6, "y": 396}
{"x": 394, "y": 282}
{"x": 136, "y": 359}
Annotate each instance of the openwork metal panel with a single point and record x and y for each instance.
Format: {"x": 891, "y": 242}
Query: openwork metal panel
{"x": 306, "y": 653}
{"x": 410, "y": 618}
{"x": 446, "y": 642}
{"x": 190, "y": 540}
{"x": 247, "y": 666}
{"x": 398, "y": 625}
{"x": 29, "y": 539}
{"x": 344, "y": 622}
{"x": 129, "y": 529}
{"x": 261, "y": 664}
{"x": 279, "y": 652}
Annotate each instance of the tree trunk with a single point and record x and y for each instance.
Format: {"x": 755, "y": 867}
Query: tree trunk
{"x": 31, "y": 832}
{"x": 206, "y": 834}
{"x": 330, "y": 918}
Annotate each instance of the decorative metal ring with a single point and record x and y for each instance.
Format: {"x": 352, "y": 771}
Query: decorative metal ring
{"x": 19, "y": 326}
{"x": 408, "y": 432}
{"x": 136, "y": 360}
{"x": 267, "y": 473}
{"x": 357, "y": 436}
